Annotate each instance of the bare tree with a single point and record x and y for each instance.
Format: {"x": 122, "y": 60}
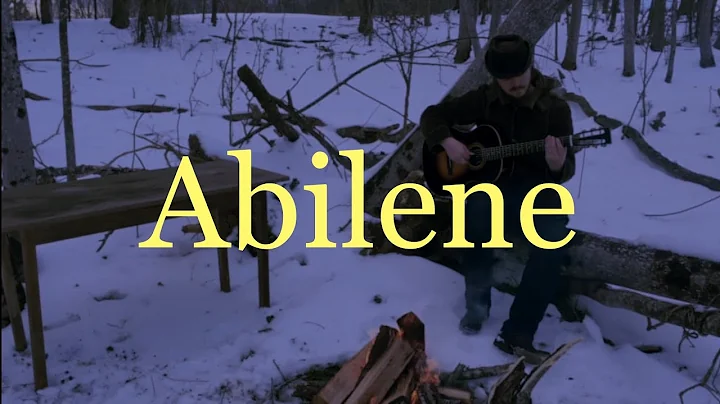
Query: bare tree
{"x": 628, "y": 38}
{"x": 46, "y": 14}
{"x": 365, "y": 26}
{"x": 657, "y": 25}
{"x": 705, "y": 13}
{"x": 573, "y": 36}
{"x": 67, "y": 92}
{"x": 120, "y": 18}
{"x": 18, "y": 163}
{"x": 467, "y": 31}
{"x": 614, "y": 10}
{"x": 673, "y": 41}
{"x": 495, "y": 16}
{"x": 213, "y": 12}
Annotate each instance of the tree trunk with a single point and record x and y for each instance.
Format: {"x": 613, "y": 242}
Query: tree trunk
{"x": 366, "y": 26}
{"x": 496, "y": 7}
{"x": 614, "y": 10}
{"x": 657, "y": 26}
{"x": 529, "y": 18}
{"x": 629, "y": 38}
{"x": 705, "y": 11}
{"x": 573, "y": 39}
{"x": 673, "y": 41}
{"x": 18, "y": 162}
{"x": 427, "y": 15}
{"x": 67, "y": 93}
{"x": 606, "y": 7}
{"x": 17, "y": 159}
{"x": 120, "y": 18}
{"x": 467, "y": 31}
{"x": 46, "y": 14}
{"x": 716, "y": 45}
{"x": 637, "y": 5}
{"x": 213, "y": 12}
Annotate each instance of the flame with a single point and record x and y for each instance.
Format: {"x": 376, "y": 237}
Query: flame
{"x": 429, "y": 372}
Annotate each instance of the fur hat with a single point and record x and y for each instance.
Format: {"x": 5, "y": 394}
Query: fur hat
{"x": 508, "y": 56}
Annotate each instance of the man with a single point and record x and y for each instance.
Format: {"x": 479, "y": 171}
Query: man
{"x": 519, "y": 104}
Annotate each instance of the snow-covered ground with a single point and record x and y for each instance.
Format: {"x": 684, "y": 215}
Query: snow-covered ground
{"x": 173, "y": 337}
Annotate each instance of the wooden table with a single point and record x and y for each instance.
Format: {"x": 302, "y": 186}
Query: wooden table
{"x": 48, "y": 213}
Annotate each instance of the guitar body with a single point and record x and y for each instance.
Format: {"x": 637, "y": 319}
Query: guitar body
{"x": 439, "y": 170}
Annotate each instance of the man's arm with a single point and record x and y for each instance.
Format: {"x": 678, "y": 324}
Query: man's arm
{"x": 561, "y": 125}
{"x": 436, "y": 120}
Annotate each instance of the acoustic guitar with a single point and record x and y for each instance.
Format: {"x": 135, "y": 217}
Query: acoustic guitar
{"x": 490, "y": 158}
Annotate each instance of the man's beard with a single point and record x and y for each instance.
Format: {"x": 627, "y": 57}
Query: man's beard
{"x": 518, "y": 91}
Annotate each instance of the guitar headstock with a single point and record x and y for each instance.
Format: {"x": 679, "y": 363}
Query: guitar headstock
{"x": 596, "y": 137}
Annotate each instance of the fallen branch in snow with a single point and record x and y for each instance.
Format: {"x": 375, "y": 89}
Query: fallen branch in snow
{"x": 267, "y": 102}
{"x": 78, "y": 61}
{"x": 669, "y": 167}
{"x": 706, "y": 321}
{"x": 270, "y": 104}
{"x": 711, "y": 373}
{"x": 713, "y": 199}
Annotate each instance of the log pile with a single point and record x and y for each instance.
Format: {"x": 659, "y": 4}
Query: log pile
{"x": 393, "y": 368}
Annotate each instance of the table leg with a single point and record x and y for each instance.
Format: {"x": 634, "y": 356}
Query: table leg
{"x": 11, "y": 297}
{"x": 37, "y": 338}
{"x": 262, "y": 233}
{"x": 221, "y": 217}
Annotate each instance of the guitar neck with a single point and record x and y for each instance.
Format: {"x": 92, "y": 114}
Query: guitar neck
{"x": 520, "y": 149}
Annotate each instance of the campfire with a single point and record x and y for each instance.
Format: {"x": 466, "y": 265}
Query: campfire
{"x": 393, "y": 368}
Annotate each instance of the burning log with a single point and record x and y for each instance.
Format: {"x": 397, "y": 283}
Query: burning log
{"x": 391, "y": 369}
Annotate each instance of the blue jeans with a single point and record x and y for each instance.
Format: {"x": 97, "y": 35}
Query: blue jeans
{"x": 541, "y": 278}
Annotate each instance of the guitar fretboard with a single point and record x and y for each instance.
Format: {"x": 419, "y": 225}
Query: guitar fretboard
{"x": 519, "y": 149}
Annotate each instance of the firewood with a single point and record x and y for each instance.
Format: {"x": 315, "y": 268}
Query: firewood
{"x": 462, "y": 396}
{"x": 402, "y": 390}
{"x": 505, "y": 389}
{"x": 379, "y": 379}
{"x": 427, "y": 394}
{"x": 524, "y": 394}
{"x": 413, "y": 330}
{"x": 381, "y": 343}
{"x": 344, "y": 381}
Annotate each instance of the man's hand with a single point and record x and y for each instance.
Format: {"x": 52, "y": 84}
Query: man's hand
{"x": 555, "y": 153}
{"x": 456, "y": 150}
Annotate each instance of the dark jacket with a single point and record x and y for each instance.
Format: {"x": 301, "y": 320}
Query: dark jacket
{"x": 534, "y": 116}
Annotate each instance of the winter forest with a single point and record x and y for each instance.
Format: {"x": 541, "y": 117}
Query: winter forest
{"x": 105, "y": 102}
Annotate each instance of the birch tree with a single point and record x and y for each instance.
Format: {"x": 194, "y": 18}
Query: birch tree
{"x": 18, "y": 162}
{"x": 66, "y": 92}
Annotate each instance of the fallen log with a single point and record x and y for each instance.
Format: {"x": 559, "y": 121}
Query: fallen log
{"x": 594, "y": 262}
{"x": 529, "y": 18}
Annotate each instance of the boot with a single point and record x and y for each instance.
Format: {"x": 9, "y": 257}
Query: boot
{"x": 520, "y": 346}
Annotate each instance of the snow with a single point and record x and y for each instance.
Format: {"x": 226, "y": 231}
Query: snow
{"x": 168, "y": 335}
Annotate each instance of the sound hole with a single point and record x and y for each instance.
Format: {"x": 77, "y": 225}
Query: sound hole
{"x": 476, "y": 160}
